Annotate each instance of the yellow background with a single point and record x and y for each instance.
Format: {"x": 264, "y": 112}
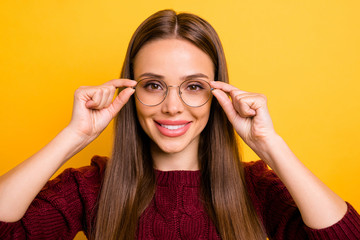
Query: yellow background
{"x": 303, "y": 55}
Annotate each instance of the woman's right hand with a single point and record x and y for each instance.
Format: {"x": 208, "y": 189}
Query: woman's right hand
{"x": 93, "y": 110}
{"x": 94, "y": 107}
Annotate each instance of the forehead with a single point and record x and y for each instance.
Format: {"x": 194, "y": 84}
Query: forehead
{"x": 172, "y": 58}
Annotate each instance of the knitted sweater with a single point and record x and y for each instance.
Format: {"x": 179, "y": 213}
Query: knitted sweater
{"x": 67, "y": 205}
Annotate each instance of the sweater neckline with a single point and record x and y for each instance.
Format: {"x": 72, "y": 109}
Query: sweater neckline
{"x": 178, "y": 177}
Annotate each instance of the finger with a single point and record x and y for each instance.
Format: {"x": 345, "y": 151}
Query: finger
{"x": 117, "y": 83}
{"x": 110, "y": 97}
{"x": 98, "y": 97}
{"x": 102, "y": 96}
{"x": 104, "y": 100}
{"x": 225, "y": 87}
{"x": 236, "y": 93}
{"x": 120, "y": 101}
{"x": 244, "y": 105}
{"x": 226, "y": 104}
{"x": 95, "y": 98}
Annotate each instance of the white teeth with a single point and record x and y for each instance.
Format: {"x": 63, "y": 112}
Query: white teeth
{"x": 172, "y": 127}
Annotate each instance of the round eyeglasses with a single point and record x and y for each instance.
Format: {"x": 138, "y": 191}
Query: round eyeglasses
{"x": 194, "y": 93}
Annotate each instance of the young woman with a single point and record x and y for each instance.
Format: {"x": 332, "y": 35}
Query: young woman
{"x": 175, "y": 172}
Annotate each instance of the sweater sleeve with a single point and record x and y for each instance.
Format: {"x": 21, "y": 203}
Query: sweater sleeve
{"x": 62, "y": 208}
{"x": 281, "y": 217}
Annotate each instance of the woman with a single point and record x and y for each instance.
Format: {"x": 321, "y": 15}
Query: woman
{"x": 175, "y": 172}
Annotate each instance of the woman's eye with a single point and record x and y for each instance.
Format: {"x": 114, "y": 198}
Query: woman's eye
{"x": 153, "y": 86}
{"x": 194, "y": 87}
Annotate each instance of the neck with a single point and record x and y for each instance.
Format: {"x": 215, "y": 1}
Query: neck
{"x": 187, "y": 159}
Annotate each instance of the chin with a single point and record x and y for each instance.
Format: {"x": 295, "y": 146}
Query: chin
{"x": 170, "y": 148}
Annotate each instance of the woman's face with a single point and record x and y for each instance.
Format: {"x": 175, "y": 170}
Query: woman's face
{"x": 172, "y": 125}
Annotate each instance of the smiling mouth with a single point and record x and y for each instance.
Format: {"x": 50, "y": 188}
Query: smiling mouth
{"x": 173, "y": 128}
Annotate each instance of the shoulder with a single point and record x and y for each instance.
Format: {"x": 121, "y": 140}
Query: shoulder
{"x": 75, "y": 191}
{"x": 263, "y": 183}
{"x": 65, "y": 205}
{"x": 87, "y": 177}
{"x": 258, "y": 171}
{"x": 96, "y": 168}
{"x": 91, "y": 175}
{"x": 255, "y": 166}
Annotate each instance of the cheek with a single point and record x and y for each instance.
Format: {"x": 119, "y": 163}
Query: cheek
{"x": 141, "y": 114}
{"x": 203, "y": 115}
{"x": 144, "y": 114}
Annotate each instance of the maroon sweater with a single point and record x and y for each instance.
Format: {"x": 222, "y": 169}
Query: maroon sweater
{"x": 66, "y": 205}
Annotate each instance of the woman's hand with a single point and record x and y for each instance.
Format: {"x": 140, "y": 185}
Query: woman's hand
{"x": 247, "y": 112}
{"x": 94, "y": 107}
{"x": 319, "y": 206}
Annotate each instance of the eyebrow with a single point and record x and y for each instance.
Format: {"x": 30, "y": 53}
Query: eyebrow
{"x": 192, "y": 76}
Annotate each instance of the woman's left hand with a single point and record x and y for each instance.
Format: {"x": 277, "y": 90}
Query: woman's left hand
{"x": 250, "y": 117}
{"x": 247, "y": 112}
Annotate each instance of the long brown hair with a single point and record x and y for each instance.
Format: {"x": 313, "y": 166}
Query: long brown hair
{"x": 129, "y": 182}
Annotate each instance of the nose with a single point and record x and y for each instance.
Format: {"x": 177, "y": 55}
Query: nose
{"x": 172, "y": 104}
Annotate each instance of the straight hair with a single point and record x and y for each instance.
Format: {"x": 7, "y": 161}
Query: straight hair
{"x": 129, "y": 183}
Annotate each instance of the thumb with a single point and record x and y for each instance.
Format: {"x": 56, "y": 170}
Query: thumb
{"x": 246, "y": 106}
{"x": 120, "y": 101}
{"x": 225, "y": 103}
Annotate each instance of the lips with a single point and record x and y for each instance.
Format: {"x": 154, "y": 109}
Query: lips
{"x": 171, "y": 128}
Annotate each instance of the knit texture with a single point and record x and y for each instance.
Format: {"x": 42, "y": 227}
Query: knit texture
{"x": 175, "y": 212}
{"x": 67, "y": 205}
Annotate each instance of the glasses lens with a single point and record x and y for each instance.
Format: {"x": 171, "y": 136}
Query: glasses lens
{"x": 150, "y": 92}
{"x": 195, "y": 93}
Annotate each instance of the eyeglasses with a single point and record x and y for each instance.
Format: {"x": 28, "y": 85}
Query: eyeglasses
{"x": 194, "y": 93}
